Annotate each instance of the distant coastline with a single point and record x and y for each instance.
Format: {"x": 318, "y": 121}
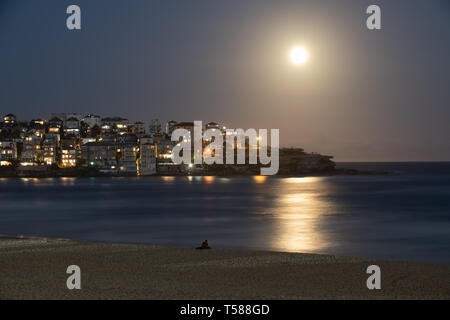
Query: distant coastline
{"x": 73, "y": 145}
{"x": 292, "y": 162}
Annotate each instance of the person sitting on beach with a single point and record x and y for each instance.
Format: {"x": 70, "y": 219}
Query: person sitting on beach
{"x": 204, "y": 245}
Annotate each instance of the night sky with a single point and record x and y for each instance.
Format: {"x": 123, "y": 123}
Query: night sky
{"x": 363, "y": 95}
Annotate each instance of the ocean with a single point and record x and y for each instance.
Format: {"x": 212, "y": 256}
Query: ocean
{"x": 404, "y": 215}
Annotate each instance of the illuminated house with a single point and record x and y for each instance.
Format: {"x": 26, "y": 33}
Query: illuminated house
{"x": 214, "y": 127}
{"x": 8, "y": 151}
{"x": 68, "y": 157}
{"x": 39, "y": 133}
{"x": 55, "y": 125}
{"x": 164, "y": 147}
{"x": 72, "y": 126}
{"x": 121, "y": 128}
{"x": 116, "y": 154}
{"x": 31, "y": 151}
{"x": 37, "y": 123}
{"x": 138, "y": 128}
{"x": 127, "y": 152}
{"x": 164, "y": 162}
{"x": 50, "y": 148}
{"x": 147, "y": 156}
{"x": 69, "y": 151}
{"x": 101, "y": 155}
{"x": 10, "y": 119}
{"x": 114, "y": 125}
{"x": 128, "y": 155}
{"x": 106, "y": 129}
{"x": 37, "y": 127}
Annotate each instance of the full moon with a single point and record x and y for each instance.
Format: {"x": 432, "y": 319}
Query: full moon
{"x": 299, "y": 55}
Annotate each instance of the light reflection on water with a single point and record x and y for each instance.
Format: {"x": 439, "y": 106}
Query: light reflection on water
{"x": 362, "y": 216}
{"x": 302, "y": 179}
{"x": 298, "y": 211}
{"x": 260, "y": 179}
{"x": 291, "y": 207}
{"x": 209, "y": 179}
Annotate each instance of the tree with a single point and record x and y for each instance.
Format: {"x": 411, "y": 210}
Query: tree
{"x": 95, "y": 131}
{"x": 84, "y": 128}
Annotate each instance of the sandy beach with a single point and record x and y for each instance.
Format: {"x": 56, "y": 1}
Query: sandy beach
{"x": 36, "y": 269}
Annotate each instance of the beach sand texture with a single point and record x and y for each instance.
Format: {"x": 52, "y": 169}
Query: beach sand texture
{"x": 36, "y": 269}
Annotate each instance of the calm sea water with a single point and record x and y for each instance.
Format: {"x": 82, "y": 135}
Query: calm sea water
{"x": 405, "y": 215}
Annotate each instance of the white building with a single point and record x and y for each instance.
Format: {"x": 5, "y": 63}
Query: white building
{"x": 92, "y": 120}
{"x": 72, "y": 126}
